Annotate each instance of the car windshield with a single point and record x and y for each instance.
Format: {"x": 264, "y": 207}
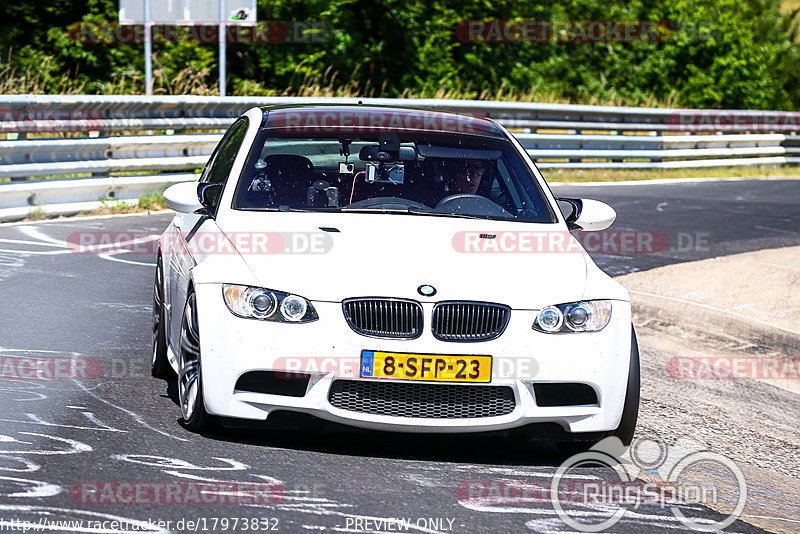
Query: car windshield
{"x": 417, "y": 173}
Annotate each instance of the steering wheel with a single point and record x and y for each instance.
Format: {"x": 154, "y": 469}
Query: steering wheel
{"x": 388, "y": 203}
{"x": 469, "y": 204}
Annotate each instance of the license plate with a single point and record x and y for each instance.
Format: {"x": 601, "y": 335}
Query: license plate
{"x": 427, "y": 367}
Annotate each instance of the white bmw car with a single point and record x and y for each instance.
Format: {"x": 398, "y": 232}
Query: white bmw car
{"x": 389, "y": 269}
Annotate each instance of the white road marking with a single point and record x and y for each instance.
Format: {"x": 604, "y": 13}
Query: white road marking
{"x": 778, "y": 230}
{"x": 10, "y": 264}
{"x": 24, "y": 242}
{"x": 33, "y": 252}
{"x": 770, "y": 517}
{"x": 111, "y": 248}
{"x": 36, "y": 420}
{"x": 136, "y": 417}
{"x": 30, "y": 467}
{"x": 35, "y": 489}
{"x": 177, "y": 463}
{"x": 76, "y": 447}
{"x": 77, "y": 220}
{"x": 109, "y": 257}
{"x": 665, "y": 181}
{"x": 36, "y": 234}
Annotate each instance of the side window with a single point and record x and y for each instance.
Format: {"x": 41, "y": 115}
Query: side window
{"x": 220, "y": 164}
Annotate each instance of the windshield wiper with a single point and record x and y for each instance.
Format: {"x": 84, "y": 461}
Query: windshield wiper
{"x": 414, "y": 210}
{"x": 307, "y": 210}
{"x": 399, "y": 210}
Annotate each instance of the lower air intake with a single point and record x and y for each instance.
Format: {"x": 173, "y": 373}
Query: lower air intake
{"x": 427, "y": 401}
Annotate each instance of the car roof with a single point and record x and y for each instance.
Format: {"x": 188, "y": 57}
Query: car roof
{"x": 331, "y": 119}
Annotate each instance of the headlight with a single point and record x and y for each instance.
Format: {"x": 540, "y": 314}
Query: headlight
{"x": 267, "y": 304}
{"x": 586, "y": 316}
{"x": 550, "y": 319}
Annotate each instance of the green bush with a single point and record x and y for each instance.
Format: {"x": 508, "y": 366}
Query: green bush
{"x": 722, "y": 54}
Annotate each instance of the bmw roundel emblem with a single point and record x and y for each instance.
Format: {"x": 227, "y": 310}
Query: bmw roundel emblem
{"x": 426, "y": 290}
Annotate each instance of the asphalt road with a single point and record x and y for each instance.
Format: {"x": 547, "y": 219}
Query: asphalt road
{"x": 695, "y": 220}
{"x": 61, "y": 438}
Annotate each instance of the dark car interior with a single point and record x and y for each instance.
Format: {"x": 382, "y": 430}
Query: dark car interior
{"x": 386, "y": 175}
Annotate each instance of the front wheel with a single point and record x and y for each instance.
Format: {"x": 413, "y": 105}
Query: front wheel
{"x": 160, "y": 367}
{"x": 190, "y": 382}
{"x": 630, "y": 411}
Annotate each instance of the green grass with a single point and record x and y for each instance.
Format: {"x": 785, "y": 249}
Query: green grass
{"x": 36, "y": 213}
{"x": 46, "y": 79}
{"x": 153, "y": 201}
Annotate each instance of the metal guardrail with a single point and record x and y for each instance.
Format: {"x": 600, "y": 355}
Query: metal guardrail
{"x": 59, "y": 197}
{"x": 98, "y": 112}
{"x": 630, "y": 151}
{"x": 42, "y": 157}
{"x": 555, "y": 135}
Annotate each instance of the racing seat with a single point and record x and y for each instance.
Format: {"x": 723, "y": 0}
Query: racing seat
{"x": 284, "y": 180}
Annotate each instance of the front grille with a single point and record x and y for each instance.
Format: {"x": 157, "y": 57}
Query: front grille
{"x": 384, "y": 317}
{"x": 469, "y": 321}
{"x": 428, "y": 401}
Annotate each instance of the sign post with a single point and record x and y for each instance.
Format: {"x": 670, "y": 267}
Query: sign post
{"x": 148, "y": 50}
{"x": 223, "y": 37}
{"x": 220, "y": 13}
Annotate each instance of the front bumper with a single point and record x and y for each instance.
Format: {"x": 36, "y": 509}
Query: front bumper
{"x": 329, "y": 350}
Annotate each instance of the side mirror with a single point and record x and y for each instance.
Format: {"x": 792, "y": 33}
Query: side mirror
{"x": 183, "y": 197}
{"x": 589, "y": 215}
{"x": 208, "y": 193}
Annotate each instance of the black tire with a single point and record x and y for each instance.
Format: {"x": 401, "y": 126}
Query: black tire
{"x": 190, "y": 380}
{"x": 160, "y": 367}
{"x": 630, "y": 411}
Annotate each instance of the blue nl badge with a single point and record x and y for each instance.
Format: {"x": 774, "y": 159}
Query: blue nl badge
{"x": 367, "y": 361}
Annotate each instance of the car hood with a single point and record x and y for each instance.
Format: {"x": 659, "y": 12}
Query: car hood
{"x": 334, "y": 256}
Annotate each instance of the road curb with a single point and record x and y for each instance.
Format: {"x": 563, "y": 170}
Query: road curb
{"x": 692, "y": 316}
